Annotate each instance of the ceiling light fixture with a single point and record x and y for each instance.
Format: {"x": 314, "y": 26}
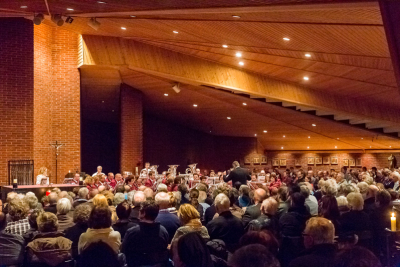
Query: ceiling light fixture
{"x": 265, "y": 131}
{"x": 313, "y": 124}
{"x": 362, "y": 138}
{"x": 23, "y": 6}
{"x": 338, "y": 138}
{"x": 255, "y": 134}
{"x": 195, "y": 105}
{"x": 236, "y": 16}
{"x": 284, "y": 136}
{"x": 166, "y": 94}
{"x": 335, "y": 146}
{"x": 177, "y": 87}
{"x": 38, "y": 18}
{"x": 390, "y": 146}
{"x": 238, "y": 54}
{"x": 70, "y": 9}
{"x": 101, "y": 2}
{"x": 309, "y": 137}
{"x": 228, "y": 118}
{"x": 224, "y": 46}
{"x": 306, "y": 78}
{"x": 244, "y": 104}
{"x": 123, "y": 28}
{"x": 241, "y": 63}
{"x": 307, "y": 55}
{"x": 133, "y": 16}
{"x": 175, "y": 31}
{"x": 281, "y": 147}
{"x": 286, "y": 39}
{"x": 57, "y": 19}
{"x": 94, "y": 24}
{"x": 308, "y": 147}
{"x": 69, "y": 20}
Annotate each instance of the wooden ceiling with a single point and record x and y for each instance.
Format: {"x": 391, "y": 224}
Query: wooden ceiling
{"x": 349, "y": 69}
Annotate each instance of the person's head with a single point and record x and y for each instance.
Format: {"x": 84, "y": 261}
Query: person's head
{"x": 32, "y": 218}
{"x": 186, "y": 213}
{"x": 98, "y": 254}
{"x": 147, "y": 165}
{"x": 329, "y": 207}
{"x": 123, "y": 210}
{"x": 53, "y": 198}
{"x": 283, "y": 193}
{"x": 383, "y": 198}
{"x": 221, "y": 203}
{"x": 148, "y": 211}
{"x": 355, "y": 201}
{"x": 18, "y": 209}
{"x": 43, "y": 171}
{"x": 63, "y": 206}
{"x": 118, "y": 177}
{"x": 305, "y": 191}
{"x": 364, "y": 188}
{"x": 269, "y": 206}
{"x": 100, "y": 200}
{"x": 356, "y": 257}
{"x": 195, "y": 176}
{"x": 194, "y": 196}
{"x": 259, "y": 195}
{"x": 47, "y": 222}
{"x": 265, "y": 238}
{"x": 244, "y": 190}
{"x": 138, "y": 198}
{"x": 118, "y": 198}
{"x": 235, "y": 164}
{"x": 318, "y": 231}
{"x": 149, "y": 193}
{"x": 298, "y": 200}
{"x": 163, "y": 200}
{"x": 253, "y": 255}
{"x": 191, "y": 251}
{"x": 31, "y": 200}
{"x": 100, "y": 217}
{"x": 82, "y": 214}
{"x": 110, "y": 176}
{"x": 162, "y": 188}
{"x": 151, "y": 175}
{"x": 130, "y": 180}
{"x": 83, "y": 193}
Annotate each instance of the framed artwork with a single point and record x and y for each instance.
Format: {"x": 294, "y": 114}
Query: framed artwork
{"x": 334, "y": 161}
{"x": 256, "y": 160}
{"x": 318, "y": 160}
{"x": 326, "y": 160}
{"x": 311, "y": 161}
{"x": 247, "y": 160}
{"x": 345, "y": 162}
{"x": 282, "y": 162}
{"x": 352, "y": 162}
{"x": 275, "y": 162}
{"x": 358, "y": 162}
{"x": 263, "y": 160}
{"x": 297, "y": 162}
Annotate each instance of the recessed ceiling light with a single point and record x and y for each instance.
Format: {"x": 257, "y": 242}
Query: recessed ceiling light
{"x": 23, "y": 6}
{"x": 133, "y": 16}
{"x": 166, "y": 94}
{"x": 70, "y": 9}
{"x": 255, "y": 134}
{"x": 362, "y": 138}
{"x": 241, "y": 63}
{"x": 308, "y": 147}
{"x": 286, "y": 39}
{"x": 284, "y": 136}
{"x": 307, "y": 55}
{"x": 244, "y": 104}
{"x": 238, "y": 54}
{"x": 194, "y": 105}
{"x": 123, "y": 28}
{"x": 102, "y": 101}
{"x": 309, "y": 137}
{"x": 101, "y": 2}
{"x": 281, "y": 147}
{"x": 228, "y": 118}
{"x": 335, "y": 146}
{"x": 236, "y": 16}
{"x": 306, "y": 78}
{"x": 112, "y": 110}
{"x": 390, "y": 146}
{"x": 338, "y": 138}
{"x": 175, "y": 31}
{"x": 265, "y": 131}
{"x": 370, "y": 146}
{"x": 314, "y": 124}
{"x": 224, "y": 46}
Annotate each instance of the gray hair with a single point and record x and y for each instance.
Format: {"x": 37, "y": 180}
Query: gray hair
{"x": 63, "y": 206}
{"x": 341, "y": 201}
{"x": 138, "y": 198}
{"x": 222, "y": 202}
{"x": 355, "y": 201}
{"x": 83, "y": 192}
{"x": 31, "y": 200}
{"x": 130, "y": 196}
{"x": 118, "y": 198}
{"x": 162, "y": 188}
{"x": 162, "y": 197}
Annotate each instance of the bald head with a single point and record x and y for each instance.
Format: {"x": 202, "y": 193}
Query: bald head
{"x": 93, "y": 193}
{"x": 138, "y": 198}
{"x": 53, "y": 198}
{"x": 162, "y": 199}
{"x": 259, "y": 195}
{"x": 372, "y": 191}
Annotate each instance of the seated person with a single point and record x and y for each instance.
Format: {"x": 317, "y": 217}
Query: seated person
{"x": 123, "y": 223}
{"x": 63, "y": 208}
{"x": 191, "y": 250}
{"x": 267, "y": 220}
{"x": 152, "y": 237}
{"x": 18, "y": 213}
{"x": 32, "y": 219}
{"x": 98, "y": 254}
{"x": 12, "y": 246}
{"x": 355, "y": 220}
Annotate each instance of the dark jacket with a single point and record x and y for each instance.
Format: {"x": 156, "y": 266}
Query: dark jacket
{"x": 30, "y": 234}
{"x": 209, "y": 214}
{"x": 12, "y": 247}
{"x": 369, "y": 205}
{"x": 51, "y": 208}
{"x": 354, "y": 221}
{"x": 282, "y": 208}
{"x": 73, "y": 233}
{"x": 79, "y": 201}
{"x": 146, "y": 244}
{"x": 134, "y": 217}
{"x": 226, "y": 227}
{"x": 264, "y": 222}
{"x": 122, "y": 226}
{"x": 318, "y": 256}
{"x": 251, "y": 213}
{"x": 238, "y": 177}
{"x": 294, "y": 221}
{"x": 170, "y": 221}
{"x": 64, "y": 222}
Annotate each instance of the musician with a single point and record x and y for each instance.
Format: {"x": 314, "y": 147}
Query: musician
{"x": 110, "y": 177}
{"x": 130, "y": 181}
{"x": 103, "y": 182}
{"x": 198, "y": 172}
{"x": 212, "y": 173}
{"x": 203, "y": 180}
{"x": 252, "y": 184}
{"x": 76, "y": 179}
{"x": 89, "y": 181}
{"x": 99, "y": 171}
{"x": 151, "y": 181}
{"x": 42, "y": 178}
{"x": 195, "y": 181}
{"x": 96, "y": 180}
{"x": 118, "y": 180}
{"x": 146, "y": 168}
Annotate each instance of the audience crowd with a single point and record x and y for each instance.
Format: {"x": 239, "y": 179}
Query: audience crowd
{"x": 293, "y": 218}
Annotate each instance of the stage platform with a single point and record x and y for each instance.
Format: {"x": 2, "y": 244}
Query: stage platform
{"x": 39, "y": 190}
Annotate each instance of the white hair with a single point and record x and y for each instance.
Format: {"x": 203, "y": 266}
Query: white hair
{"x": 31, "y": 200}
{"x": 162, "y": 197}
{"x": 162, "y": 187}
{"x": 30, "y": 194}
{"x": 130, "y": 196}
{"x": 221, "y": 202}
{"x": 330, "y": 187}
{"x": 138, "y": 198}
{"x": 363, "y": 187}
{"x": 118, "y": 198}
{"x": 355, "y": 201}
{"x": 341, "y": 201}
{"x": 83, "y": 192}
{"x": 63, "y": 206}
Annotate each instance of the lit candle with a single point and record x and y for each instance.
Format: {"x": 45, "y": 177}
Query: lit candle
{"x": 15, "y": 181}
{"x": 80, "y": 178}
{"x": 69, "y": 171}
{"x": 137, "y": 170}
{"x": 393, "y": 222}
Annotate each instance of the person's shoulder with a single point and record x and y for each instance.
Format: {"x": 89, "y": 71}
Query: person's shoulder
{"x": 12, "y": 236}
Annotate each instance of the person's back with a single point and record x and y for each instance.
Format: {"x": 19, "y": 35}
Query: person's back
{"x": 355, "y": 220}
{"x": 238, "y": 175}
{"x": 11, "y": 245}
{"x": 293, "y": 222}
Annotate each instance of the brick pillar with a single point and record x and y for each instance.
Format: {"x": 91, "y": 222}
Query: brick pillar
{"x": 131, "y": 128}
{"x": 16, "y": 92}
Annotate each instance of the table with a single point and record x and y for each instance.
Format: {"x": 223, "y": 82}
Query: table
{"x": 38, "y": 190}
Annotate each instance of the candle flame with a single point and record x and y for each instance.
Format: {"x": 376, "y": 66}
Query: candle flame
{"x": 392, "y": 214}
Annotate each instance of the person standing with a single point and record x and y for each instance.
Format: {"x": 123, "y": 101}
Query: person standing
{"x": 238, "y": 175}
{"x": 99, "y": 171}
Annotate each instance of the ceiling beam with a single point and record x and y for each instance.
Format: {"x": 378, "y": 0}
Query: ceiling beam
{"x": 156, "y": 61}
{"x": 390, "y": 11}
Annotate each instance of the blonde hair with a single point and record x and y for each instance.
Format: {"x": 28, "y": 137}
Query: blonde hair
{"x": 88, "y": 180}
{"x": 321, "y": 230}
{"x": 187, "y": 212}
{"x": 341, "y": 201}
{"x": 43, "y": 171}
{"x": 269, "y": 206}
{"x": 363, "y": 187}
{"x": 355, "y": 201}
{"x": 330, "y": 187}
{"x": 100, "y": 200}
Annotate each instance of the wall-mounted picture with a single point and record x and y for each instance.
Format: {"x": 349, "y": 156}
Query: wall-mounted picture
{"x": 345, "y": 162}
{"x": 282, "y": 162}
{"x": 275, "y": 162}
{"x": 318, "y": 160}
{"x": 247, "y": 160}
{"x": 326, "y": 160}
{"x": 263, "y": 160}
{"x": 358, "y": 162}
{"x": 334, "y": 161}
{"x": 297, "y": 162}
{"x": 256, "y": 160}
{"x": 310, "y": 161}
{"x": 352, "y": 162}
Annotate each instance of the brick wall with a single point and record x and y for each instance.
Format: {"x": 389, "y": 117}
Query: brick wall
{"x": 131, "y": 128}
{"x": 56, "y": 99}
{"x": 16, "y": 92}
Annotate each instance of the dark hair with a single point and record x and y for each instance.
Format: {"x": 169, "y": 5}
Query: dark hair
{"x": 98, "y": 254}
{"x": 123, "y": 210}
{"x": 283, "y": 193}
{"x": 100, "y": 217}
{"x": 193, "y": 251}
{"x": 383, "y": 198}
{"x": 177, "y": 180}
{"x": 32, "y": 218}
{"x": 298, "y": 200}
{"x": 129, "y": 179}
{"x": 194, "y": 195}
{"x": 233, "y": 196}
{"x": 150, "y": 173}
{"x": 329, "y": 208}
{"x": 393, "y": 194}
{"x": 356, "y": 257}
{"x": 120, "y": 189}
{"x": 150, "y": 209}
{"x": 265, "y": 238}
{"x": 254, "y": 256}
{"x": 294, "y": 188}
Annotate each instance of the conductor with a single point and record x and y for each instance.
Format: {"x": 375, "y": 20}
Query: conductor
{"x": 238, "y": 175}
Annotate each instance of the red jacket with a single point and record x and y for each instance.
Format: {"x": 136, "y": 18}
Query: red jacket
{"x": 150, "y": 183}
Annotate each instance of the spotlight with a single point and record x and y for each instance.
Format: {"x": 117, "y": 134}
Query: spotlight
{"x": 57, "y": 19}
{"x": 38, "y": 18}
{"x": 94, "y": 23}
{"x": 176, "y": 88}
{"x": 69, "y": 20}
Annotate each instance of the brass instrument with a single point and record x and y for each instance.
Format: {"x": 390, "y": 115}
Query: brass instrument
{"x": 172, "y": 169}
{"x": 192, "y": 169}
